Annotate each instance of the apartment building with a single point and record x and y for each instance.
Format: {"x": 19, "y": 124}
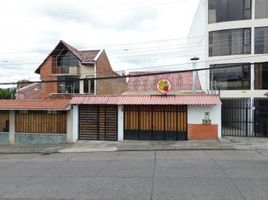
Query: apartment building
{"x": 231, "y": 37}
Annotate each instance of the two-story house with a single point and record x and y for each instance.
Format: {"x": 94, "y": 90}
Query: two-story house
{"x": 234, "y": 34}
{"x": 64, "y": 69}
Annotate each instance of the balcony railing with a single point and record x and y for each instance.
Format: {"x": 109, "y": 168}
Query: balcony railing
{"x": 73, "y": 71}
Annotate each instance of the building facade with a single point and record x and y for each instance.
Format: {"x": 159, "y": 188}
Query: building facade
{"x": 64, "y": 69}
{"x": 232, "y": 35}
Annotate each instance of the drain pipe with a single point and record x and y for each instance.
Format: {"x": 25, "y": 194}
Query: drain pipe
{"x": 194, "y": 59}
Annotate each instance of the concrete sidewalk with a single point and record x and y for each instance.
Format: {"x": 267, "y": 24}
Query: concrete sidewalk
{"x": 226, "y": 143}
{"x": 32, "y": 148}
{"x": 132, "y": 145}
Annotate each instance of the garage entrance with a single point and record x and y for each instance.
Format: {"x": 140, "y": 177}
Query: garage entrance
{"x": 97, "y": 122}
{"x": 155, "y": 122}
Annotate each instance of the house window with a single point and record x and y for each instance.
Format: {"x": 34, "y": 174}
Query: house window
{"x": 68, "y": 85}
{"x": 261, "y": 40}
{"x": 66, "y": 61}
{"x": 230, "y": 78}
{"x": 230, "y": 42}
{"x": 228, "y": 10}
{"x": 261, "y": 76}
{"x": 261, "y": 9}
{"x": 89, "y": 84}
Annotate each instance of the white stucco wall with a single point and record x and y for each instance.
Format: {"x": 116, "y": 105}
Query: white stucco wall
{"x": 120, "y": 122}
{"x": 196, "y": 114}
{"x": 12, "y": 125}
{"x": 72, "y": 125}
{"x": 197, "y": 42}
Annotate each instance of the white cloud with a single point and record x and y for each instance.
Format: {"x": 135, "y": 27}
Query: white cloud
{"x": 31, "y": 29}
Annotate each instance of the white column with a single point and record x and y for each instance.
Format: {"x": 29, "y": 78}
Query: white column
{"x": 81, "y": 86}
{"x": 218, "y": 119}
{"x": 11, "y": 138}
{"x": 72, "y": 124}
{"x": 120, "y": 123}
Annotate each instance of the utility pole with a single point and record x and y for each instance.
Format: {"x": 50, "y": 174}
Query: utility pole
{"x": 194, "y": 59}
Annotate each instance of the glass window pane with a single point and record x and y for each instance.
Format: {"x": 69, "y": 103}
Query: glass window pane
{"x": 261, "y": 40}
{"x": 230, "y": 42}
{"x": 65, "y": 60}
{"x": 261, "y": 9}
{"x": 211, "y": 11}
{"x": 261, "y": 76}
{"x": 68, "y": 85}
{"x": 236, "y": 10}
{"x": 228, "y": 10}
{"x": 231, "y": 78}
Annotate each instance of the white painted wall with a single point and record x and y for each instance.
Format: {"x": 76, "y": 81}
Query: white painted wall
{"x": 120, "y": 122}
{"x": 72, "y": 124}
{"x": 197, "y": 42}
{"x": 12, "y": 121}
{"x": 85, "y": 70}
{"x": 196, "y": 114}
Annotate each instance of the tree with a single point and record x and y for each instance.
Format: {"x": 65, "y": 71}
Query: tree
{"x": 6, "y": 93}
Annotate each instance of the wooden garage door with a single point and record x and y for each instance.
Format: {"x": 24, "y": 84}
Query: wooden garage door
{"x": 97, "y": 122}
{"x": 155, "y": 122}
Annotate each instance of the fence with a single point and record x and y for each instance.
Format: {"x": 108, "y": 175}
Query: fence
{"x": 4, "y": 118}
{"x": 240, "y": 117}
{"x": 41, "y": 122}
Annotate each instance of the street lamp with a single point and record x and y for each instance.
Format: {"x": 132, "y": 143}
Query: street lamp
{"x": 194, "y": 60}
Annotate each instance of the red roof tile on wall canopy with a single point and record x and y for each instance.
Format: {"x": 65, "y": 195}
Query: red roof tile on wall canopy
{"x": 55, "y": 104}
{"x": 180, "y": 82}
{"x": 201, "y": 99}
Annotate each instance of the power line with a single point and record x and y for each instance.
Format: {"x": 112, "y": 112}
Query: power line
{"x": 188, "y": 63}
{"x": 129, "y": 76}
{"x": 132, "y": 51}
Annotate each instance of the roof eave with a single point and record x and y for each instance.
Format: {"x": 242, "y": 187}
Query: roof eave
{"x": 98, "y": 55}
{"x": 37, "y": 71}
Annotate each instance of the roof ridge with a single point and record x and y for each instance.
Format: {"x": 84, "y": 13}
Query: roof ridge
{"x": 27, "y": 86}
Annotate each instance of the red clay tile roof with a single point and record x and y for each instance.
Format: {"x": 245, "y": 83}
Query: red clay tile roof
{"x": 180, "y": 82}
{"x": 55, "y": 104}
{"x": 32, "y": 91}
{"x": 197, "y": 99}
{"x": 84, "y": 56}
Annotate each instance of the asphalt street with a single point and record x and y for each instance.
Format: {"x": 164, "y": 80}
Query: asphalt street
{"x": 148, "y": 175}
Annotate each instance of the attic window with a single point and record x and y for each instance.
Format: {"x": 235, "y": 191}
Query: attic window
{"x": 66, "y": 59}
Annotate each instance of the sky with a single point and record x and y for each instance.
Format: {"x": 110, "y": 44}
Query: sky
{"x": 136, "y": 34}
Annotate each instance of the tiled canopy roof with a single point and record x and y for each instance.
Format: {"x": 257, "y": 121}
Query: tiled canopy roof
{"x": 32, "y": 91}
{"x": 180, "y": 82}
{"x": 198, "y": 99}
{"x": 55, "y": 104}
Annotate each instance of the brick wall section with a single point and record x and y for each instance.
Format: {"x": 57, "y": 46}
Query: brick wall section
{"x": 108, "y": 86}
{"x": 45, "y": 75}
{"x": 202, "y": 132}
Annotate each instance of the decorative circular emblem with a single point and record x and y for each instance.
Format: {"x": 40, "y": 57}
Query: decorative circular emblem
{"x": 163, "y": 86}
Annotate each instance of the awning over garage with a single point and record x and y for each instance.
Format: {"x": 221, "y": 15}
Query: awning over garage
{"x": 198, "y": 99}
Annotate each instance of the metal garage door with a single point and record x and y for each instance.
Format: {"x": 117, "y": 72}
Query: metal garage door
{"x": 155, "y": 122}
{"x": 97, "y": 122}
